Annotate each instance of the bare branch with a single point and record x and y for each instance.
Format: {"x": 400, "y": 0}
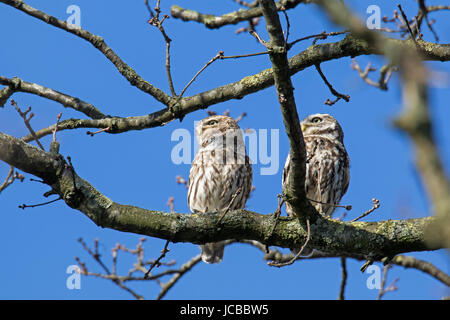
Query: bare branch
{"x": 254, "y": 83}
{"x": 376, "y": 205}
{"x": 413, "y": 37}
{"x": 400, "y": 260}
{"x": 184, "y": 268}
{"x": 156, "y": 263}
{"x": 294, "y": 258}
{"x": 10, "y": 178}
{"x": 391, "y": 287}
{"x": 376, "y": 239}
{"x": 19, "y": 85}
{"x": 324, "y": 35}
{"x": 100, "y": 44}
{"x": 217, "y": 56}
{"x": 295, "y": 190}
{"x": 26, "y": 120}
{"x": 5, "y": 94}
{"x": 424, "y": 266}
{"x": 214, "y": 22}
{"x": 343, "y": 280}
{"x": 339, "y": 96}
{"x": 155, "y": 21}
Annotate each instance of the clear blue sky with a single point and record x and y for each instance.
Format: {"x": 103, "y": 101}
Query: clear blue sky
{"x": 135, "y": 167}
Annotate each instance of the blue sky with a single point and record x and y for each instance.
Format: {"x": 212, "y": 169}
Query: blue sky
{"x": 136, "y": 167}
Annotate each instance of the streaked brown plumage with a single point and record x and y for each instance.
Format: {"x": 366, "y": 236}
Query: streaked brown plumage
{"x": 327, "y": 164}
{"x": 221, "y": 171}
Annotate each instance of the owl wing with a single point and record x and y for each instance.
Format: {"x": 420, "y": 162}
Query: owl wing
{"x": 236, "y": 176}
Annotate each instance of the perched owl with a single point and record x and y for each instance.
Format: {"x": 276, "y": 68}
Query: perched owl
{"x": 327, "y": 164}
{"x": 220, "y": 175}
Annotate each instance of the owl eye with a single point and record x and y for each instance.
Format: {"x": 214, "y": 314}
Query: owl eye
{"x": 212, "y": 122}
{"x": 316, "y": 120}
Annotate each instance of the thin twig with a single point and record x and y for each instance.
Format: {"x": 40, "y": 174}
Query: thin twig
{"x": 181, "y": 180}
{"x": 229, "y": 204}
{"x": 391, "y": 287}
{"x": 8, "y": 181}
{"x": 258, "y": 38}
{"x": 113, "y": 277}
{"x": 150, "y": 11}
{"x": 252, "y": 23}
{"x": 413, "y": 37}
{"x": 424, "y": 266}
{"x": 276, "y": 216}
{"x": 426, "y": 10}
{"x": 376, "y": 205}
{"x": 96, "y": 256}
{"x": 288, "y": 25}
{"x": 155, "y": 21}
{"x": 385, "y": 75}
{"x": 399, "y": 260}
{"x": 322, "y": 36}
{"x": 170, "y": 204}
{"x": 27, "y": 121}
{"x": 346, "y": 207}
{"x": 282, "y": 264}
{"x": 23, "y": 206}
{"x": 217, "y": 56}
{"x": 98, "y": 131}
{"x": 56, "y": 126}
{"x": 156, "y": 262}
{"x": 10, "y": 178}
{"x": 344, "y": 279}
{"x": 364, "y": 74}
{"x": 339, "y": 96}
{"x": 244, "y": 55}
{"x": 183, "y": 269}
{"x": 239, "y": 118}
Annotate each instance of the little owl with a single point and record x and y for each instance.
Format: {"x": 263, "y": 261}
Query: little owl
{"x": 327, "y": 164}
{"x": 220, "y": 178}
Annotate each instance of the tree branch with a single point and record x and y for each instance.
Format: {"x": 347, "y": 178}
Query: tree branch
{"x": 295, "y": 190}
{"x": 187, "y": 266}
{"x": 374, "y": 239}
{"x": 18, "y": 85}
{"x": 400, "y": 260}
{"x": 213, "y": 22}
{"x": 98, "y": 43}
{"x": 350, "y": 46}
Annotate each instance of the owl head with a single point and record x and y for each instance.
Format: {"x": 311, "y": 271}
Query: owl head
{"x": 322, "y": 125}
{"x": 217, "y": 129}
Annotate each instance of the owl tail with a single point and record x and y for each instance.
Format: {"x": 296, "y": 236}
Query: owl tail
{"x": 213, "y": 252}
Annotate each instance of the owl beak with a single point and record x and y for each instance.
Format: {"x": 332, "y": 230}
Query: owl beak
{"x": 303, "y": 126}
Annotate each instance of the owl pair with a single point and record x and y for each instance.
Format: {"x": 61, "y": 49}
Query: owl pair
{"x": 220, "y": 178}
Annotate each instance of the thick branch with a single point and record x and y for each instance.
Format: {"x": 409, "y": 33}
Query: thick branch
{"x": 19, "y": 85}
{"x": 348, "y": 47}
{"x": 295, "y": 190}
{"x": 213, "y": 22}
{"x": 98, "y": 43}
{"x": 374, "y": 239}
